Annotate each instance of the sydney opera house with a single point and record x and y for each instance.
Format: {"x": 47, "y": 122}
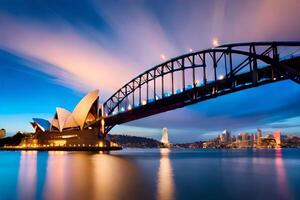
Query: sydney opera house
{"x": 70, "y": 129}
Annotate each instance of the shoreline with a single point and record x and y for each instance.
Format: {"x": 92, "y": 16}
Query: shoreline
{"x": 60, "y": 148}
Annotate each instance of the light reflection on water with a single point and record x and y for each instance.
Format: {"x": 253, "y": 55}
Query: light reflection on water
{"x": 56, "y": 175}
{"x": 27, "y": 175}
{"x": 161, "y": 174}
{"x": 282, "y": 183}
{"x": 165, "y": 186}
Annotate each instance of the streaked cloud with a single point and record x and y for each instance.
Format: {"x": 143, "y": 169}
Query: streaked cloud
{"x": 104, "y": 44}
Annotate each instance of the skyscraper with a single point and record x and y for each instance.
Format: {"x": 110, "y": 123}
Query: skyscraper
{"x": 259, "y": 136}
{"x": 277, "y": 137}
{"x": 225, "y": 137}
{"x": 244, "y": 142}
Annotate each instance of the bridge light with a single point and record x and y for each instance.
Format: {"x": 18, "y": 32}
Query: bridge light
{"x": 215, "y": 42}
{"x": 122, "y": 109}
{"x": 190, "y": 50}
{"x": 129, "y": 107}
{"x": 221, "y": 77}
{"x": 162, "y": 56}
{"x": 144, "y": 102}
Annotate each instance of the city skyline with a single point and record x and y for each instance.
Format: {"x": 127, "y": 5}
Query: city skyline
{"x": 42, "y": 64}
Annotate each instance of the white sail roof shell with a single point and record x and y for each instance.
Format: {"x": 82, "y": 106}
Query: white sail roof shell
{"x": 65, "y": 119}
{"x": 54, "y": 123}
{"x": 62, "y": 116}
{"x": 83, "y": 107}
{"x": 70, "y": 122}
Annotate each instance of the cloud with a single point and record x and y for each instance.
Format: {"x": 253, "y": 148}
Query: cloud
{"x": 112, "y": 42}
{"x": 72, "y": 58}
{"x": 81, "y": 56}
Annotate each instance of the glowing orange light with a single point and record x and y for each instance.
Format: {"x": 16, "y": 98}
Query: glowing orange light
{"x": 144, "y": 102}
{"x": 221, "y": 77}
{"x": 162, "y": 56}
{"x": 215, "y": 42}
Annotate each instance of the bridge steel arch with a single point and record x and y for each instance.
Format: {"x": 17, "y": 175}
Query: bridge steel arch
{"x": 224, "y": 69}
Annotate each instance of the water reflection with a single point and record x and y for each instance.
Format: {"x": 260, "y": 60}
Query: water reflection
{"x": 150, "y": 174}
{"x": 55, "y": 176}
{"x": 92, "y": 176}
{"x": 117, "y": 178}
{"x": 27, "y": 175}
{"x": 165, "y": 190}
{"x": 282, "y": 183}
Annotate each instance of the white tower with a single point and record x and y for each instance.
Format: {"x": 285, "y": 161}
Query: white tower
{"x": 165, "y": 137}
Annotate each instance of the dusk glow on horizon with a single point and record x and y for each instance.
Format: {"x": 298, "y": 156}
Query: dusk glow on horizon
{"x": 53, "y": 53}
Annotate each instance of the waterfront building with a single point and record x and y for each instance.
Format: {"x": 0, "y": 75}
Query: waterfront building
{"x": 254, "y": 139}
{"x": 233, "y": 138}
{"x": 76, "y": 128}
{"x": 243, "y": 140}
{"x": 277, "y": 137}
{"x": 225, "y": 137}
{"x": 2, "y": 133}
{"x": 222, "y": 138}
{"x": 259, "y": 137}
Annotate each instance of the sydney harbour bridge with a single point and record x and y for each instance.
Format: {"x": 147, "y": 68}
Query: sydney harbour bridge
{"x": 199, "y": 76}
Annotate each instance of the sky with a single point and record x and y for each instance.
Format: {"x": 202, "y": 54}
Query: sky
{"x": 54, "y": 52}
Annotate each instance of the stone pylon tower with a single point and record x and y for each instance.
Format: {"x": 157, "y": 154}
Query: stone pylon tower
{"x": 165, "y": 137}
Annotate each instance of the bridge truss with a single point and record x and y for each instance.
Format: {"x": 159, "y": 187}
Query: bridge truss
{"x": 202, "y": 75}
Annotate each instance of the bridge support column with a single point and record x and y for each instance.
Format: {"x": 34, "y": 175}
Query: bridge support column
{"x": 254, "y": 66}
{"x": 103, "y": 134}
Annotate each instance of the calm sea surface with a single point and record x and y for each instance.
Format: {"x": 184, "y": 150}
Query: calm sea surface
{"x": 151, "y": 174}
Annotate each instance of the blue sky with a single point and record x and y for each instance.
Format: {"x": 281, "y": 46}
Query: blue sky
{"x": 53, "y": 52}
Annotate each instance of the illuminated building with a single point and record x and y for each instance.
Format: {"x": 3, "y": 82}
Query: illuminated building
{"x": 259, "y": 136}
{"x": 2, "y": 133}
{"x": 243, "y": 140}
{"x": 76, "y": 128}
{"x": 254, "y": 137}
{"x": 225, "y": 137}
{"x": 277, "y": 137}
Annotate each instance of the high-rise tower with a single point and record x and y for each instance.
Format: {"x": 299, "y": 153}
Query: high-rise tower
{"x": 259, "y": 136}
{"x": 277, "y": 137}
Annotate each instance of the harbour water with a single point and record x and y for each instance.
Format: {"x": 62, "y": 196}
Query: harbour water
{"x": 151, "y": 174}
